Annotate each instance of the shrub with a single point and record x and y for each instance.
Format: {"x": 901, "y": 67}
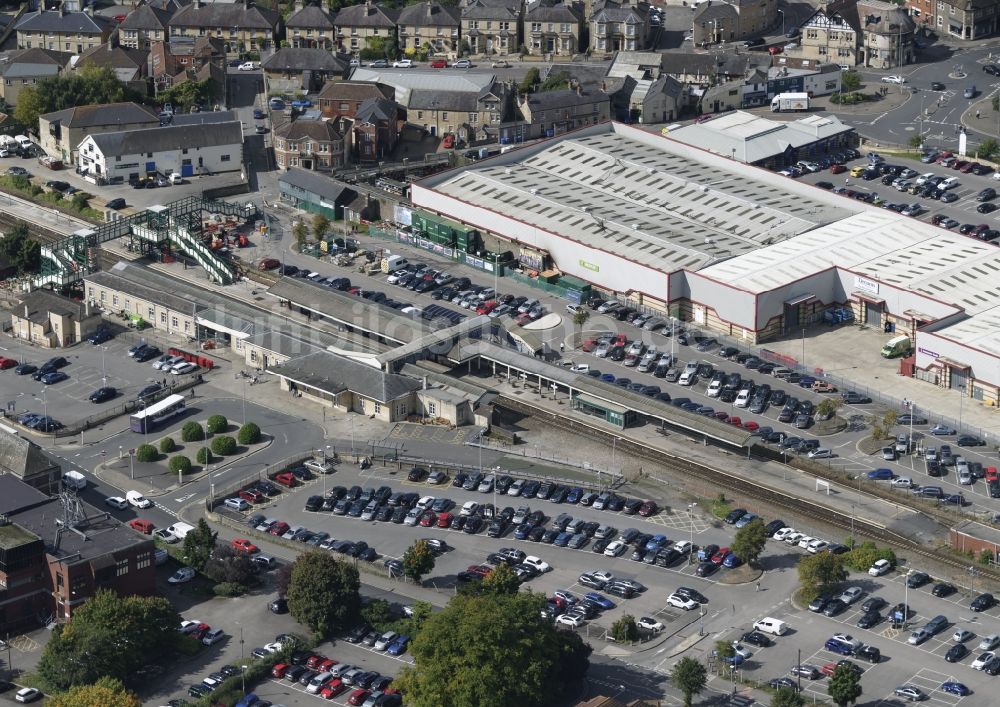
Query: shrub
{"x": 204, "y": 455}
{"x": 217, "y": 423}
{"x": 167, "y": 445}
{"x": 249, "y": 433}
{"x": 179, "y": 464}
{"x": 146, "y": 453}
{"x": 223, "y": 445}
{"x": 228, "y": 589}
{"x": 192, "y": 432}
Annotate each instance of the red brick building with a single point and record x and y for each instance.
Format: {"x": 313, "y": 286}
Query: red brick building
{"x": 339, "y": 99}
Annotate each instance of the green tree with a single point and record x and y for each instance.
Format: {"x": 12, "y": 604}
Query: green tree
{"x": 378, "y": 614}
{"x": 502, "y": 580}
{"x": 320, "y": 225}
{"x": 323, "y": 593}
{"x": 89, "y": 85}
{"x": 192, "y": 432}
{"x": 916, "y": 140}
{"x": 110, "y": 635}
{"x": 862, "y": 556}
{"x": 988, "y": 148}
{"x": 204, "y": 455}
{"x": 581, "y": 316}
{"x": 229, "y": 566}
{"x": 199, "y": 544}
{"x": 724, "y": 650}
{"x": 749, "y": 541}
{"x": 845, "y": 686}
{"x": 190, "y": 93}
{"x": 985, "y": 557}
{"x": 418, "y": 560}
{"x": 829, "y": 406}
{"x": 81, "y": 200}
{"x": 787, "y": 697}
{"x": 819, "y": 571}
{"x": 167, "y": 445}
{"x": 106, "y": 692}
{"x": 511, "y": 637}
{"x": 556, "y": 80}
{"x": 21, "y": 250}
{"x": 690, "y": 677}
{"x": 300, "y": 234}
{"x": 531, "y": 79}
{"x": 624, "y": 630}
{"x": 889, "y": 419}
{"x": 146, "y": 453}
{"x": 223, "y": 445}
{"x": 249, "y": 433}
{"x": 217, "y": 424}
{"x": 850, "y": 81}
{"x": 179, "y": 464}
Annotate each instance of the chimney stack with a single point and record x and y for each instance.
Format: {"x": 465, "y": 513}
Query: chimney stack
{"x": 430, "y": 10}
{"x": 299, "y": 5}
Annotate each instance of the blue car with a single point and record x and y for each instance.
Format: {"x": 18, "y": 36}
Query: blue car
{"x": 398, "y": 647}
{"x": 880, "y": 474}
{"x": 735, "y": 659}
{"x": 608, "y": 378}
{"x": 656, "y": 542}
{"x": 731, "y": 561}
{"x": 574, "y": 495}
{"x": 258, "y": 113}
{"x": 54, "y": 377}
{"x": 955, "y": 688}
{"x": 839, "y": 647}
{"x": 28, "y": 418}
{"x": 745, "y": 520}
{"x": 623, "y": 382}
{"x": 599, "y": 599}
{"x": 562, "y": 540}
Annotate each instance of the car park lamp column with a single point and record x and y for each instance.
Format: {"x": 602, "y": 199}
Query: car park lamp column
{"x": 104, "y": 369}
{"x": 145, "y": 422}
{"x": 691, "y": 507}
{"x": 782, "y": 13}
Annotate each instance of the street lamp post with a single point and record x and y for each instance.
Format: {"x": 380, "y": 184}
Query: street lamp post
{"x": 104, "y": 369}
{"x": 691, "y": 507}
{"x": 145, "y": 422}
{"x": 782, "y": 13}
{"x": 244, "y": 379}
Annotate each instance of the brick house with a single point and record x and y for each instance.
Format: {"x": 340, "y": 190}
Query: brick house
{"x": 309, "y": 144}
{"x": 375, "y": 130}
{"x": 188, "y": 58}
{"x": 344, "y": 98}
{"x": 492, "y": 27}
{"x": 429, "y": 23}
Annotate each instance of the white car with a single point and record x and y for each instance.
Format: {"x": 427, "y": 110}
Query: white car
{"x": 804, "y": 541}
{"x": 385, "y": 640}
{"x": 602, "y": 575}
{"x": 425, "y": 502}
{"x": 685, "y": 547}
{"x": 714, "y": 389}
{"x": 249, "y": 66}
{"x": 165, "y": 363}
{"x": 469, "y": 508}
{"x": 165, "y": 535}
{"x": 615, "y": 548}
{"x": 879, "y": 568}
{"x": 893, "y": 78}
{"x": 27, "y": 694}
{"x": 181, "y": 368}
{"x": 567, "y": 597}
{"x": 649, "y": 624}
{"x": 136, "y": 499}
{"x": 537, "y": 563}
{"x": 184, "y": 574}
{"x": 851, "y": 595}
{"x": 817, "y": 545}
{"x": 821, "y": 453}
{"x": 793, "y": 537}
{"x": 116, "y": 502}
{"x": 188, "y": 626}
{"x": 980, "y": 662}
{"x": 403, "y": 64}
{"x": 949, "y": 183}
{"x": 573, "y": 620}
{"x": 783, "y": 534}
{"x": 903, "y": 482}
{"x": 682, "y": 602}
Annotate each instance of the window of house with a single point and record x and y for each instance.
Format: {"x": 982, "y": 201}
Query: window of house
{"x": 361, "y": 404}
{"x": 163, "y": 317}
{"x": 536, "y": 26}
{"x": 378, "y": 408}
{"x": 601, "y": 28}
{"x": 224, "y": 158}
{"x": 151, "y": 313}
{"x": 184, "y": 151}
{"x": 345, "y": 106}
{"x": 473, "y": 118}
{"x": 143, "y": 560}
{"x": 551, "y": 26}
{"x": 432, "y": 409}
{"x": 811, "y": 34}
{"x": 122, "y": 568}
{"x": 114, "y": 301}
{"x": 173, "y": 322}
{"x": 821, "y": 50}
{"x": 187, "y": 326}
{"x": 505, "y": 25}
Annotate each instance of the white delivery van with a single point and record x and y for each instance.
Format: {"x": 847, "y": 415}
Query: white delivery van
{"x": 773, "y": 626}
{"x": 74, "y": 480}
{"x": 138, "y": 500}
{"x": 180, "y": 530}
{"x": 23, "y": 141}
{"x": 392, "y": 263}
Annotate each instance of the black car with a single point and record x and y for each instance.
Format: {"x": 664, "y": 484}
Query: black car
{"x": 983, "y": 602}
{"x": 869, "y": 619}
{"x": 755, "y": 638}
{"x": 147, "y": 354}
{"x": 917, "y": 580}
{"x": 267, "y": 488}
{"x": 632, "y": 506}
{"x": 704, "y": 569}
{"x": 833, "y": 607}
{"x": 773, "y": 527}
{"x": 735, "y": 515}
{"x": 100, "y": 336}
{"x": 313, "y": 503}
{"x": 869, "y": 653}
{"x": 783, "y": 684}
{"x": 873, "y": 604}
{"x": 278, "y": 606}
{"x": 819, "y": 603}
{"x": 692, "y": 594}
{"x": 943, "y": 589}
{"x": 993, "y": 667}
{"x": 102, "y": 394}
{"x": 956, "y": 653}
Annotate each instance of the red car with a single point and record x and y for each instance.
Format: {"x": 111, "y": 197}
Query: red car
{"x": 428, "y": 519}
{"x": 142, "y": 525}
{"x": 358, "y": 697}
{"x": 970, "y": 167}
{"x": 448, "y": 142}
{"x": 244, "y": 545}
{"x": 252, "y": 495}
{"x": 286, "y": 478}
{"x": 324, "y": 667}
{"x": 332, "y": 689}
{"x": 718, "y": 557}
{"x": 268, "y": 264}
{"x": 279, "y": 528}
{"x": 481, "y": 570}
{"x": 990, "y": 474}
{"x": 315, "y": 660}
{"x": 751, "y": 426}
{"x": 439, "y": 64}
{"x": 278, "y": 671}
{"x": 444, "y": 520}
{"x": 775, "y": 50}
{"x": 828, "y": 669}
{"x": 620, "y": 340}
{"x": 735, "y": 421}
{"x": 200, "y": 632}
{"x": 6, "y": 363}
{"x": 648, "y": 508}
{"x": 837, "y": 169}
{"x": 589, "y": 345}
{"x": 723, "y": 416}
{"x": 486, "y": 307}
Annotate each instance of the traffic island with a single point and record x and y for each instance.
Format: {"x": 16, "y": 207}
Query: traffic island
{"x": 743, "y": 574}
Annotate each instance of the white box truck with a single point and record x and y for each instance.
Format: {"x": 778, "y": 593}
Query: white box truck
{"x": 789, "y": 102}
{"x": 74, "y": 480}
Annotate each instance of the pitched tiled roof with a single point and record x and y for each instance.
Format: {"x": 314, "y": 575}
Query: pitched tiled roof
{"x": 320, "y": 130}
{"x": 564, "y": 98}
{"x": 463, "y": 101}
{"x": 116, "y": 58}
{"x": 333, "y": 374}
{"x": 225, "y": 15}
{"x": 133, "y": 142}
{"x": 32, "y": 62}
{"x": 354, "y": 90}
{"x": 146, "y": 18}
{"x": 714, "y": 10}
{"x": 55, "y": 21}
{"x": 558, "y": 12}
{"x": 311, "y": 17}
{"x": 492, "y": 10}
{"x": 377, "y": 109}
{"x": 427, "y": 14}
{"x": 302, "y": 59}
{"x": 365, "y": 15}
{"x": 84, "y": 117}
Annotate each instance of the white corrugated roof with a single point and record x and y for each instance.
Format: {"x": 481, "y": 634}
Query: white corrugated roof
{"x": 981, "y": 331}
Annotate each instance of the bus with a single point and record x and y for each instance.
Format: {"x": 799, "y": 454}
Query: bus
{"x": 150, "y": 417}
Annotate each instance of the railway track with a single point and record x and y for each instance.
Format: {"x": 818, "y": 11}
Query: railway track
{"x": 744, "y": 487}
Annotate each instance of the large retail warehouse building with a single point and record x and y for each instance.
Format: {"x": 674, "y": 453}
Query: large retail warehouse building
{"x": 733, "y": 248}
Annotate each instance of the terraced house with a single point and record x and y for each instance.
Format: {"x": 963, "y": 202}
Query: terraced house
{"x": 428, "y": 23}
{"x": 967, "y": 19}
{"x": 553, "y": 28}
{"x": 243, "y": 27}
{"x": 143, "y": 26}
{"x": 365, "y": 26}
{"x": 62, "y": 31}
{"x": 492, "y": 27}
{"x": 311, "y": 27}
